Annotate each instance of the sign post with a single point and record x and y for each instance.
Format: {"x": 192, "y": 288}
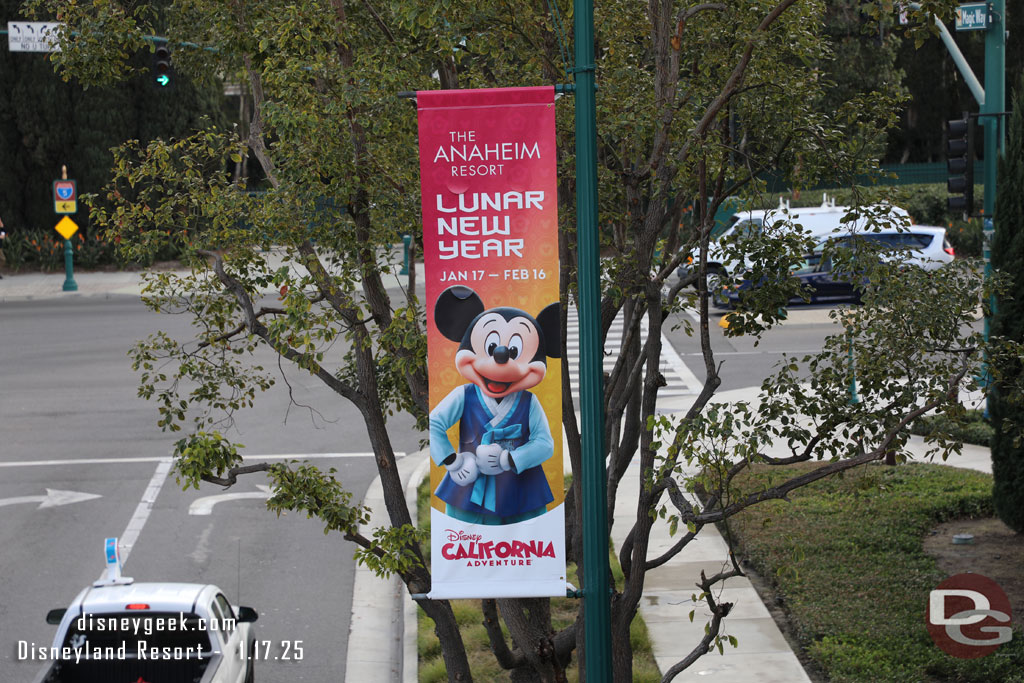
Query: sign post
{"x": 995, "y": 103}
{"x": 65, "y": 201}
{"x": 594, "y": 483}
{"x": 67, "y": 227}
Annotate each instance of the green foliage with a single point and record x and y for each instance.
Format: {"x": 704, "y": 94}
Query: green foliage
{"x": 1008, "y": 323}
{"x": 305, "y": 488}
{"x": 857, "y": 602}
{"x": 201, "y": 454}
{"x": 393, "y": 550}
{"x": 904, "y": 353}
{"x": 52, "y": 119}
{"x": 34, "y": 250}
{"x": 970, "y": 427}
{"x": 44, "y": 250}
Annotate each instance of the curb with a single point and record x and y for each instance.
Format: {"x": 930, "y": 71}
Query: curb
{"x": 382, "y": 635}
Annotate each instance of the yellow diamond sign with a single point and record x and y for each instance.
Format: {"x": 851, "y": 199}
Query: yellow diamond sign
{"x": 66, "y": 227}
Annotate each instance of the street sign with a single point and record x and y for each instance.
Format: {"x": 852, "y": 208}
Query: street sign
{"x": 974, "y": 16}
{"x": 33, "y": 36}
{"x": 66, "y": 227}
{"x": 65, "y": 196}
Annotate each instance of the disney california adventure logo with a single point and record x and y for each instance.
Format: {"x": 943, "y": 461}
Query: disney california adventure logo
{"x": 480, "y": 553}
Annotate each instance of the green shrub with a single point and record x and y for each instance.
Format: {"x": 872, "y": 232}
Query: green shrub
{"x": 44, "y": 250}
{"x": 966, "y": 237}
{"x": 1008, "y": 322}
{"x": 846, "y": 557}
{"x": 973, "y": 428}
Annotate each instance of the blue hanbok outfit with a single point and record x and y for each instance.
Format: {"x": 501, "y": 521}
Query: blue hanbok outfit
{"x": 519, "y": 425}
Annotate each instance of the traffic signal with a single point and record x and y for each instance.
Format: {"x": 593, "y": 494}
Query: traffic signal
{"x": 960, "y": 164}
{"x": 163, "y": 71}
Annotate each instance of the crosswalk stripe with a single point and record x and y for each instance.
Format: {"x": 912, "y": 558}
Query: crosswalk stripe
{"x": 681, "y": 380}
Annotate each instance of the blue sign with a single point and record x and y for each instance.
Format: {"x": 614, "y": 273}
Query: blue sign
{"x": 110, "y": 546}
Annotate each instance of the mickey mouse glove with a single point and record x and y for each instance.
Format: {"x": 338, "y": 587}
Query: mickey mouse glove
{"x": 463, "y": 469}
{"x": 493, "y": 459}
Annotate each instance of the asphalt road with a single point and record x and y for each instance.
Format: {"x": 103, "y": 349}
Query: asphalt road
{"x": 745, "y": 361}
{"x": 70, "y": 420}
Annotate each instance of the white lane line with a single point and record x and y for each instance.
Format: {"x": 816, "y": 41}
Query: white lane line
{"x": 668, "y": 353}
{"x": 52, "y": 498}
{"x": 310, "y": 456}
{"x": 754, "y": 353}
{"x": 131, "y": 532}
{"x": 121, "y": 461}
{"x": 204, "y": 506}
{"x": 90, "y": 461}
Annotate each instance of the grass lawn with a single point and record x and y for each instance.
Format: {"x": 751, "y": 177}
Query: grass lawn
{"x": 470, "y": 618}
{"x": 845, "y": 559}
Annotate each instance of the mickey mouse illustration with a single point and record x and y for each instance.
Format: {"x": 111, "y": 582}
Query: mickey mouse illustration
{"x": 494, "y": 473}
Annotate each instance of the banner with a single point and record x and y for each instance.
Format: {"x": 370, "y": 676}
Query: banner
{"x": 490, "y": 237}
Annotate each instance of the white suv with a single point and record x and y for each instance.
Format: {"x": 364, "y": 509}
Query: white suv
{"x": 820, "y": 221}
{"x": 925, "y": 246}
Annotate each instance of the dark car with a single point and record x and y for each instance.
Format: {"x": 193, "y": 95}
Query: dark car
{"x": 816, "y": 278}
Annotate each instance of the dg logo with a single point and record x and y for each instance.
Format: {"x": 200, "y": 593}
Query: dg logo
{"x": 969, "y": 616}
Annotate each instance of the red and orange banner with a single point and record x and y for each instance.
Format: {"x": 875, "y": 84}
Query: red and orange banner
{"x": 490, "y": 235}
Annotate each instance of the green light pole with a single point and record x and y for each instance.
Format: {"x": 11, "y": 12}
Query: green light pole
{"x": 596, "y": 587}
{"x": 995, "y": 104}
{"x": 69, "y": 268}
{"x": 995, "y": 98}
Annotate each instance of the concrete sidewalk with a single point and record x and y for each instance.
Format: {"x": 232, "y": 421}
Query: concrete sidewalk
{"x": 49, "y": 286}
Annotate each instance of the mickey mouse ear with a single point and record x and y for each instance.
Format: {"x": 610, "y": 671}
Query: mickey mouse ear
{"x": 550, "y": 325}
{"x": 455, "y": 309}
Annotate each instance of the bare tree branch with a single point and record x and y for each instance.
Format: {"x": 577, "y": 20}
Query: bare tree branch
{"x": 232, "y": 474}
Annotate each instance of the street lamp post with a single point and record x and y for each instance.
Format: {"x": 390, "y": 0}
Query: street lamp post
{"x": 596, "y": 588}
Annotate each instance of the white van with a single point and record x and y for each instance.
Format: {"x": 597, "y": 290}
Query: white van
{"x": 820, "y": 221}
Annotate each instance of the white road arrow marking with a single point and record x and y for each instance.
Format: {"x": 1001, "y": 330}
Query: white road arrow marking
{"x": 204, "y": 506}
{"x": 52, "y": 499}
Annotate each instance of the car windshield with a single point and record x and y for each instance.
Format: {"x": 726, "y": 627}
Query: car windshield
{"x": 811, "y": 263}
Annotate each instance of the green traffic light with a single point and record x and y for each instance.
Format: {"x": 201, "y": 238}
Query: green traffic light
{"x": 163, "y": 80}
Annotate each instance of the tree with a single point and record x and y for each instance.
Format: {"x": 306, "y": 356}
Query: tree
{"x": 1007, "y": 322}
{"x": 46, "y": 122}
{"x": 693, "y": 107}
